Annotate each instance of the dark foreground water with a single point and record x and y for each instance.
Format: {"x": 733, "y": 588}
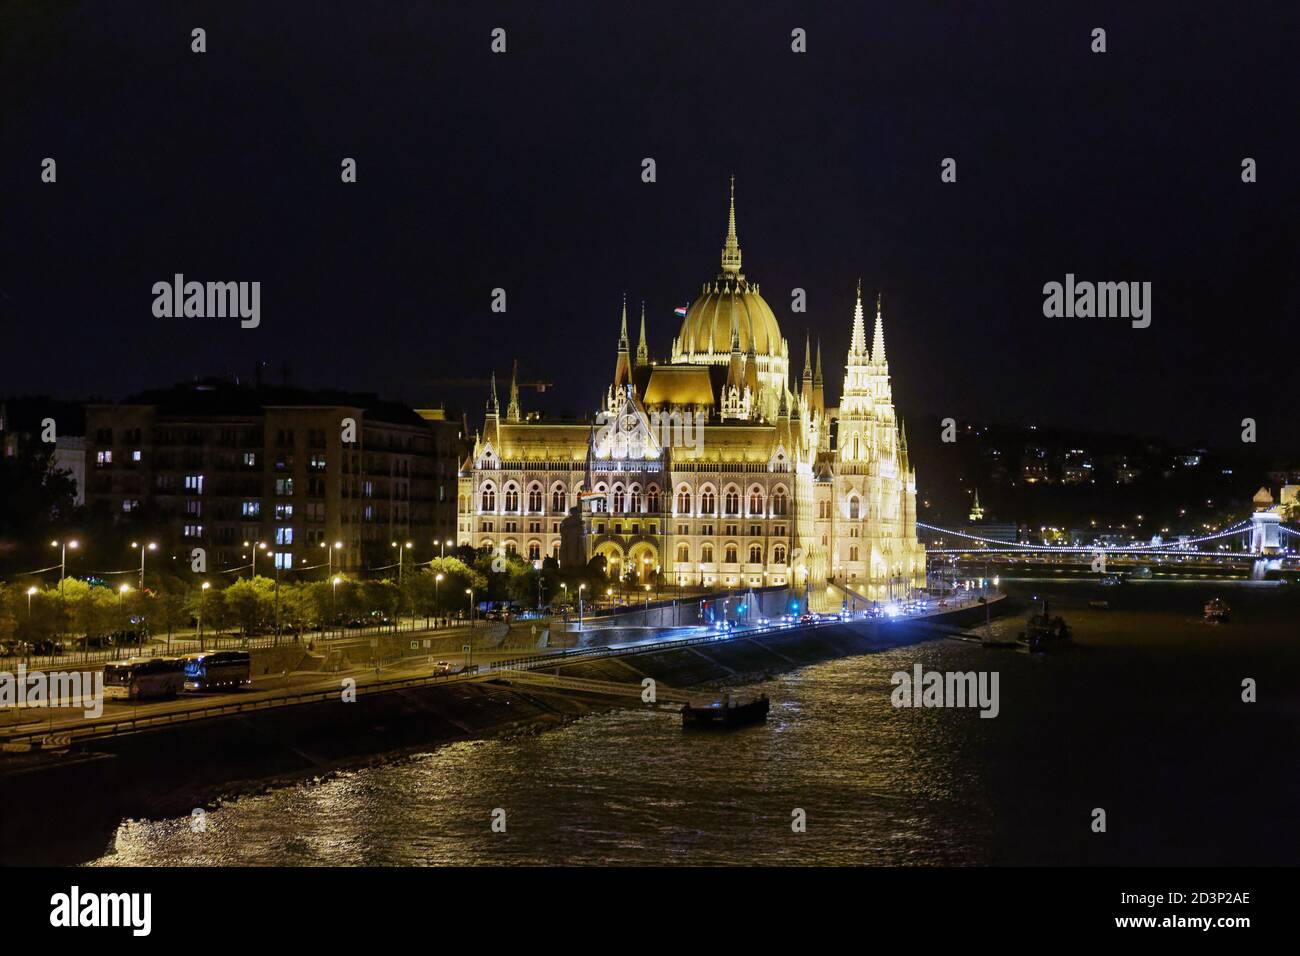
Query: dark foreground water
{"x": 1144, "y": 720}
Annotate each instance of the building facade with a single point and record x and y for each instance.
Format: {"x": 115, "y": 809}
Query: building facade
{"x": 289, "y": 472}
{"x": 715, "y": 468}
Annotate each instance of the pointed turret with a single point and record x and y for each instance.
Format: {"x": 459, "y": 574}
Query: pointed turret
{"x": 642, "y": 350}
{"x": 731, "y": 246}
{"x": 492, "y": 421}
{"x": 878, "y": 339}
{"x": 623, "y": 364}
{"x": 751, "y": 371}
{"x": 806, "y": 390}
{"x": 818, "y": 392}
{"x": 513, "y": 413}
{"x": 858, "y": 341}
{"x": 735, "y": 369}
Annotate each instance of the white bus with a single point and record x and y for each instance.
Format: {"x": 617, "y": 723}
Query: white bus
{"x": 141, "y": 677}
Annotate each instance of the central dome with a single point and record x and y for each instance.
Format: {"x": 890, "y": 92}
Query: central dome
{"x": 728, "y": 304}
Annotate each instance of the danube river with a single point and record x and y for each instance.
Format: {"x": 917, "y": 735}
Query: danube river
{"x": 1143, "y": 719}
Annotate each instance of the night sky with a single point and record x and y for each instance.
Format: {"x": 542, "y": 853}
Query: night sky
{"x": 523, "y": 171}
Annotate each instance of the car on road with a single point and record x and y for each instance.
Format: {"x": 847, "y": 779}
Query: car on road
{"x": 442, "y": 667}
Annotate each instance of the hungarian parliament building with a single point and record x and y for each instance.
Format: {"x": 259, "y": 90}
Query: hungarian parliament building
{"x": 715, "y": 469}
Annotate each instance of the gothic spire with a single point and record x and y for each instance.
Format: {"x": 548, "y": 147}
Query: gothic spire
{"x": 878, "y": 339}
{"x": 642, "y": 350}
{"x": 858, "y": 342}
{"x": 817, "y": 375}
{"x": 513, "y": 412}
{"x": 622, "y": 333}
{"x": 492, "y": 407}
{"x": 807, "y": 356}
{"x": 731, "y": 246}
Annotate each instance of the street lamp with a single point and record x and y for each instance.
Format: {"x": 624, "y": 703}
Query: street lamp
{"x": 581, "y": 588}
{"x": 121, "y": 593}
{"x": 443, "y": 546}
{"x": 334, "y": 598}
{"x": 329, "y": 554}
{"x": 437, "y": 579}
{"x": 151, "y": 546}
{"x": 255, "y": 545}
{"x": 203, "y": 596}
{"x": 63, "y": 560}
{"x": 401, "y": 549}
{"x": 470, "y": 592}
{"x": 30, "y": 591}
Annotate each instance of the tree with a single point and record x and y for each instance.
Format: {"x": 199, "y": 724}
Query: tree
{"x": 9, "y": 599}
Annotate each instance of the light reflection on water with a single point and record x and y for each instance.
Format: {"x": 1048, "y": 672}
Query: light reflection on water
{"x": 879, "y": 785}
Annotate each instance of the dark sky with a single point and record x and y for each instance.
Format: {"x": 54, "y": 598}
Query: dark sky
{"x": 523, "y": 171}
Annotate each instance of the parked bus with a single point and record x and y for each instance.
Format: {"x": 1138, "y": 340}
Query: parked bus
{"x": 217, "y": 670}
{"x": 141, "y": 677}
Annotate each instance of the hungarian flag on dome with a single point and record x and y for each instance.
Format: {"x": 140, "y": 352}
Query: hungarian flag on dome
{"x": 680, "y": 312}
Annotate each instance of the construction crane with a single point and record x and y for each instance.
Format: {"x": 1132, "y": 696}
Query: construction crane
{"x": 484, "y": 383}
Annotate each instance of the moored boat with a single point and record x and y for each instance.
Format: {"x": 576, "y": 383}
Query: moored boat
{"x": 1044, "y": 633}
{"x": 725, "y": 713}
{"x": 1217, "y": 611}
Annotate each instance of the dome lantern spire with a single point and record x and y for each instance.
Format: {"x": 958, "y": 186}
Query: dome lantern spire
{"x": 731, "y": 247}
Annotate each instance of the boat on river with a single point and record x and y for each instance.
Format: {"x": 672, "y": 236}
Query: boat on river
{"x": 726, "y": 713}
{"x": 1217, "y": 611}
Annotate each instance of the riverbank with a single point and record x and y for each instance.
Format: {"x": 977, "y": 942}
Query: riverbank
{"x": 172, "y": 770}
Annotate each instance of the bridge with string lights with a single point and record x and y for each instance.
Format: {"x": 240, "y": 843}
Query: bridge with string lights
{"x": 1264, "y": 529}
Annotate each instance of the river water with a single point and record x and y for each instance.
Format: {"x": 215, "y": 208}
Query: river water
{"x": 1143, "y": 719}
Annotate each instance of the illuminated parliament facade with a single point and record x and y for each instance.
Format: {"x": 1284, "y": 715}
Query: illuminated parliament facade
{"x": 714, "y": 469}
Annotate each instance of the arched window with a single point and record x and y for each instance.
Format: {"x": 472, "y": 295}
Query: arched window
{"x": 708, "y": 502}
{"x": 853, "y": 509}
{"x": 730, "y": 557}
{"x": 706, "y": 554}
{"x": 683, "y": 553}
{"x": 489, "y": 502}
{"x": 755, "y": 554}
{"x": 683, "y": 501}
{"x": 558, "y": 500}
{"x": 512, "y": 498}
{"x": 780, "y": 502}
{"x": 733, "y": 502}
{"x": 620, "y": 499}
{"x": 635, "y": 500}
{"x": 755, "y": 501}
{"x": 600, "y": 504}
{"x": 853, "y": 554}
{"x": 652, "y": 500}
{"x": 511, "y": 548}
{"x": 535, "y": 498}
{"x": 534, "y": 551}
{"x": 778, "y": 554}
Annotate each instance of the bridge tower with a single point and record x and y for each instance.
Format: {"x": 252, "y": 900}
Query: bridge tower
{"x": 1265, "y": 537}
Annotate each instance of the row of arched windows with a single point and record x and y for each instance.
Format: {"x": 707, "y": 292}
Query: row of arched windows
{"x": 730, "y": 553}
{"x": 731, "y": 501}
{"x": 632, "y": 499}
